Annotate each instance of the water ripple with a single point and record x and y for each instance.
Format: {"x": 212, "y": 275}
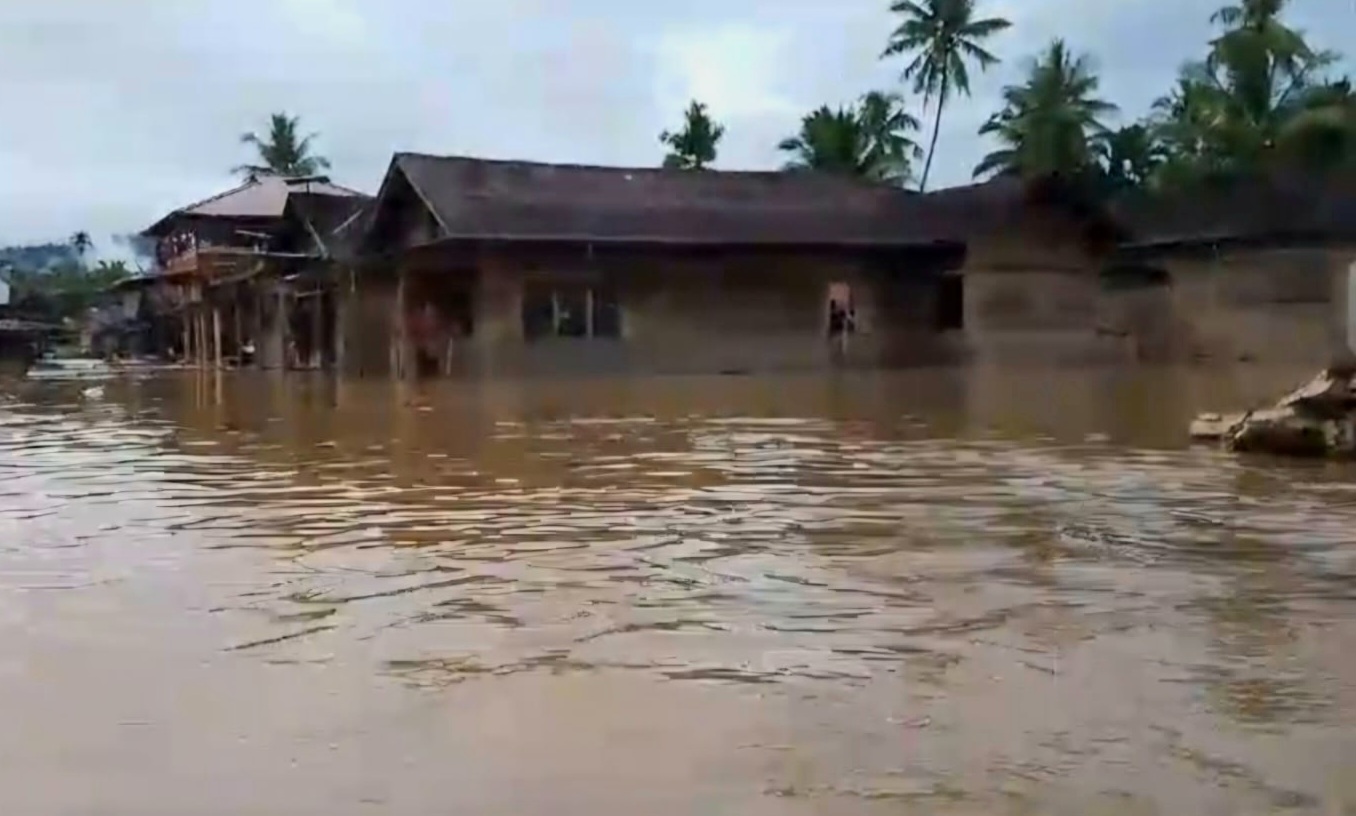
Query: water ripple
{"x": 817, "y": 557}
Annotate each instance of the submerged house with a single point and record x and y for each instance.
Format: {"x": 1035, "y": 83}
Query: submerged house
{"x": 227, "y": 269}
{"x": 507, "y": 267}
{"x": 1257, "y": 271}
{"x": 462, "y": 266}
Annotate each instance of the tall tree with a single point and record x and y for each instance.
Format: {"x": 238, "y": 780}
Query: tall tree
{"x": 891, "y": 150}
{"x": 1321, "y": 133}
{"x": 945, "y": 37}
{"x": 1251, "y": 101}
{"x": 830, "y": 140}
{"x": 283, "y": 151}
{"x": 1052, "y": 122}
{"x": 868, "y": 140}
{"x": 1130, "y": 156}
{"x": 693, "y": 147}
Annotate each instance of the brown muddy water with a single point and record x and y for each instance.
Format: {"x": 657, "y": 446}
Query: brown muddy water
{"x": 931, "y": 593}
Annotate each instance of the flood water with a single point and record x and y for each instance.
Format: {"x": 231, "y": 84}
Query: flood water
{"x": 934, "y": 593}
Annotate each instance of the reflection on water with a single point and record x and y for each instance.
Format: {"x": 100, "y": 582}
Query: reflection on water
{"x": 974, "y": 594}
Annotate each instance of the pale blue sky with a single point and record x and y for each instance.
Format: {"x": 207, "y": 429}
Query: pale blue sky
{"x": 115, "y": 111}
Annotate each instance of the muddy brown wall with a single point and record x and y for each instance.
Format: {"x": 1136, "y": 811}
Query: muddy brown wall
{"x": 731, "y": 314}
{"x": 1031, "y": 298}
{"x": 1283, "y": 306}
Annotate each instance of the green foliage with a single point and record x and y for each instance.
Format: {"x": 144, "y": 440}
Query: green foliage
{"x": 283, "y": 151}
{"x": 868, "y": 140}
{"x": 945, "y": 37}
{"x": 693, "y": 147}
{"x": 1259, "y": 100}
{"x": 1051, "y": 123}
{"x": 65, "y": 289}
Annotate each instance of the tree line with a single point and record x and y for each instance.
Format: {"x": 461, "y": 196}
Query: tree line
{"x": 1260, "y": 98}
{"x": 64, "y": 287}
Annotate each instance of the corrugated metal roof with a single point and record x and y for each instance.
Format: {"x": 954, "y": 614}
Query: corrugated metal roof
{"x": 264, "y": 197}
{"x": 519, "y": 200}
{"x": 531, "y": 201}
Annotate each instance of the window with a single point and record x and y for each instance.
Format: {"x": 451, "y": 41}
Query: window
{"x": 570, "y": 311}
{"x": 950, "y": 303}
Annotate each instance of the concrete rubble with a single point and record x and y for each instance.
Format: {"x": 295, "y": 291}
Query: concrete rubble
{"x": 1318, "y": 419}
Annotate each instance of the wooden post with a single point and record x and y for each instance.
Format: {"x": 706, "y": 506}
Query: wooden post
{"x": 343, "y": 287}
{"x": 284, "y": 330}
{"x": 186, "y": 327}
{"x": 204, "y": 351}
{"x": 216, "y": 335}
{"x": 238, "y": 314}
{"x": 317, "y": 329}
{"x": 400, "y": 340}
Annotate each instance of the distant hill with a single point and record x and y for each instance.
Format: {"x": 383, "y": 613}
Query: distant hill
{"x": 36, "y": 256}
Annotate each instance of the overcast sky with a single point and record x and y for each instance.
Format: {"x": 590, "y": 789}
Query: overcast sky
{"x": 113, "y": 112}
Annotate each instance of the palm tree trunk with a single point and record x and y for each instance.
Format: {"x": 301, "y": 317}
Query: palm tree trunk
{"x": 936, "y": 128}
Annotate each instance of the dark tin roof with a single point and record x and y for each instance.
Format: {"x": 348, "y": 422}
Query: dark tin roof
{"x": 529, "y": 201}
{"x": 1272, "y": 209}
{"x": 323, "y": 215}
{"x": 493, "y": 200}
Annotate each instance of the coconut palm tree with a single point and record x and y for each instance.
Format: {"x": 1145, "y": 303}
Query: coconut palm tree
{"x": 1130, "y": 157}
{"x": 283, "y": 151}
{"x": 1255, "y": 26}
{"x": 945, "y": 38}
{"x": 1251, "y": 101}
{"x": 1053, "y": 122}
{"x": 694, "y": 146}
{"x": 868, "y": 140}
{"x": 830, "y": 140}
{"x": 887, "y": 125}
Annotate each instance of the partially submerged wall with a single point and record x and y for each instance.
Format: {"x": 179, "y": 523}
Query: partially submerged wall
{"x": 681, "y": 316}
{"x": 1279, "y": 306}
{"x": 1032, "y": 298}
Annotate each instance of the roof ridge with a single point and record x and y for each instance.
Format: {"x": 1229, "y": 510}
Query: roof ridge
{"x": 649, "y": 170}
{"x": 242, "y": 186}
{"x": 325, "y": 180}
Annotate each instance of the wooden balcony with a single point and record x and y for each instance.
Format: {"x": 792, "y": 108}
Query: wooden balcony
{"x": 212, "y": 263}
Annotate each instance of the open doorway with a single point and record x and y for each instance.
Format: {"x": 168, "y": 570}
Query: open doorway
{"x": 950, "y": 305}
{"x": 440, "y": 320}
{"x": 841, "y": 316}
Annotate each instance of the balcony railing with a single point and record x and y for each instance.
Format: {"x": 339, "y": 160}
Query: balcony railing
{"x": 210, "y": 263}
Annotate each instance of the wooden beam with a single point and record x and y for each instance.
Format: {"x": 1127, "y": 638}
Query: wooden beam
{"x": 216, "y": 335}
{"x": 400, "y": 335}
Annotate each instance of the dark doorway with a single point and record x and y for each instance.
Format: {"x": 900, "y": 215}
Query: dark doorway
{"x": 950, "y": 313}
{"x": 842, "y": 314}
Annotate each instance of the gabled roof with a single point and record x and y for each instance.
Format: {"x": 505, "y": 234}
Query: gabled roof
{"x": 261, "y": 198}
{"x": 532, "y": 201}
